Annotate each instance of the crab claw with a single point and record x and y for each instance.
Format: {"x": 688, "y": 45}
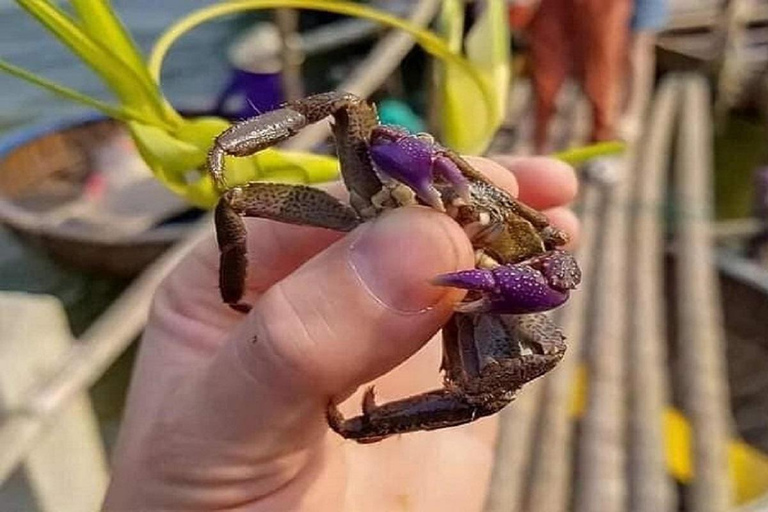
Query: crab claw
{"x": 537, "y": 285}
{"x": 415, "y": 161}
{"x": 559, "y": 269}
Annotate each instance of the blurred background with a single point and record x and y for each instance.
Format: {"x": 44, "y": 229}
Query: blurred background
{"x": 661, "y": 105}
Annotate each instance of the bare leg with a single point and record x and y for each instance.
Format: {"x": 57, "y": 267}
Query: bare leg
{"x": 641, "y": 64}
{"x": 605, "y": 26}
{"x": 551, "y": 62}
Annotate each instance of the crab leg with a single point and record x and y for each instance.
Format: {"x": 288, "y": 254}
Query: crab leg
{"x": 485, "y": 359}
{"x": 428, "y": 411}
{"x": 354, "y": 120}
{"x": 293, "y": 204}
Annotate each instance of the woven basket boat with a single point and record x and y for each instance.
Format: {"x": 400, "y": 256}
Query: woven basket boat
{"x": 50, "y": 165}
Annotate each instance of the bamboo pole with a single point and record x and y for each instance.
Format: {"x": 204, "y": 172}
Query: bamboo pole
{"x": 708, "y": 18}
{"x": 600, "y": 465}
{"x": 513, "y": 130}
{"x": 651, "y": 488}
{"x": 730, "y": 37}
{"x": 700, "y": 324}
{"x": 516, "y": 438}
{"x": 736, "y": 229}
{"x": 513, "y": 451}
{"x": 547, "y": 444}
{"x": 373, "y": 71}
{"x": 551, "y": 469}
{"x": 35, "y": 336}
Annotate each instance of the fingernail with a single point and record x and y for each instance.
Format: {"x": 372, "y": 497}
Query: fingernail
{"x": 397, "y": 255}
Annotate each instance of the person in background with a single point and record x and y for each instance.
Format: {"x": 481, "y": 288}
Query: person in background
{"x": 606, "y": 44}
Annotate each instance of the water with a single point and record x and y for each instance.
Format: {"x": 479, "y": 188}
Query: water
{"x": 196, "y": 68}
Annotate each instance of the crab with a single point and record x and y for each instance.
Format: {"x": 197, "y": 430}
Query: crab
{"x": 498, "y": 338}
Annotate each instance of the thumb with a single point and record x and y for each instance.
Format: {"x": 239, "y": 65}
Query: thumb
{"x": 348, "y": 315}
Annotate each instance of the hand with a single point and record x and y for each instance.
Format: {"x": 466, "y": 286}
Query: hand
{"x": 227, "y": 411}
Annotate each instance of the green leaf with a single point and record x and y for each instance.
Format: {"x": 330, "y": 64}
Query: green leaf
{"x": 296, "y": 166}
{"x": 174, "y": 148}
{"x": 429, "y": 41}
{"x": 123, "y": 81}
{"x": 580, "y": 155}
{"x": 178, "y": 160}
{"x": 452, "y": 24}
{"x": 487, "y": 46}
{"x": 169, "y": 156}
{"x": 116, "y": 112}
{"x": 101, "y": 23}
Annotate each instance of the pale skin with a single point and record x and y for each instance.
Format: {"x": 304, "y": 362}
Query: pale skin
{"x": 227, "y": 411}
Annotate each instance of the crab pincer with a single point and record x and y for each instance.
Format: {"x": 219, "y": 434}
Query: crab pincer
{"x": 539, "y": 284}
{"x": 416, "y": 161}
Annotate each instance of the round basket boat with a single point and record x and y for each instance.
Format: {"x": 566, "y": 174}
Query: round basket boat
{"x": 50, "y": 167}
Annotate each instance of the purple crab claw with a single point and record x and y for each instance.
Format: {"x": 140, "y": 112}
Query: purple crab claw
{"x": 416, "y": 162}
{"x": 537, "y": 285}
{"x": 558, "y": 267}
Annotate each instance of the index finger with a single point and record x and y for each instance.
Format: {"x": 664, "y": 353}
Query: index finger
{"x": 544, "y": 182}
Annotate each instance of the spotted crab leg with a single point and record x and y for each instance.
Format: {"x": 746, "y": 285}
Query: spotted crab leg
{"x": 291, "y": 204}
{"x": 354, "y": 119}
{"x": 295, "y": 204}
{"x": 479, "y": 352}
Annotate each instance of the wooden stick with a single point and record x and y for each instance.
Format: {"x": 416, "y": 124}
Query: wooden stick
{"x": 700, "y": 324}
{"x": 516, "y": 440}
{"x": 708, "y": 18}
{"x": 36, "y": 335}
{"x": 731, "y": 60}
{"x": 736, "y": 229}
{"x": 291, "y": 53}
{"x": 96, "y": 350}
{"x": 651, "y": 488}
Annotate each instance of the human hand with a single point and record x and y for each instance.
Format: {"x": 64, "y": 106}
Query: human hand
{"x": 227, "y": 411}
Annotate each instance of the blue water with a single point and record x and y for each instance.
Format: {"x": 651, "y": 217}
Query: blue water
{"x": 195, "y": 70}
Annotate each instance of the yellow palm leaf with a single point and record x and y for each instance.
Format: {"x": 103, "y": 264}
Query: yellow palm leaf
{"x": 466, "y": 125}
